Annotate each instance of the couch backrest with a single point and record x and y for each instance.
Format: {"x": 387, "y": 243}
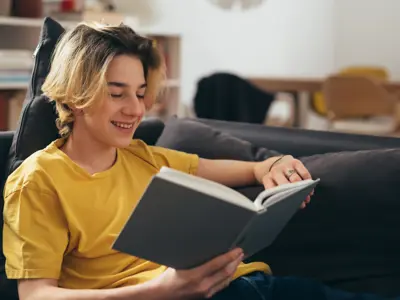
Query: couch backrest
{"x": 302, "y": 142}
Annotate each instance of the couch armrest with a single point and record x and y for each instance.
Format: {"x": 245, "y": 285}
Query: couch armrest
{"x": 301, "y": 142}
{"x": 337, "y": 243}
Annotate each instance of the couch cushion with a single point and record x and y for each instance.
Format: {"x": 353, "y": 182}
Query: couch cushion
{"x": 348, "y": 235}
{"x": 194, "y": 137}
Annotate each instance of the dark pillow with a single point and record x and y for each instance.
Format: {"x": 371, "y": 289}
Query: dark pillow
{"x": 348, "y": 236}
{"x": 194, "y": 137}
{"x": 36, "y": 127}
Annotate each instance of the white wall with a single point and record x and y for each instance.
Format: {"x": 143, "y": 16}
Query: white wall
{"x": 282, "y": 37}
{"x": 367, "y": 32}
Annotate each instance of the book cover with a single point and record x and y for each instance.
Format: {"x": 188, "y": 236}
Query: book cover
{"x": 183, "y": 222}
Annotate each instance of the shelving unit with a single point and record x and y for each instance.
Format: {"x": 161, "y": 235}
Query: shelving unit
{"x": 23, "y": 34}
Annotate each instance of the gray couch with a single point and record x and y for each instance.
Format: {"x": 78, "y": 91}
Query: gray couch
{"x": 347, "y": 238}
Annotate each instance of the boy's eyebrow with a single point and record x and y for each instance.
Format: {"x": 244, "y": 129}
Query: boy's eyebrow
{"x": 123, "y": 84}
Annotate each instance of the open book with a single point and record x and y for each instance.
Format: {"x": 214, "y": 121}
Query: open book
{"x": 182, "y": 221}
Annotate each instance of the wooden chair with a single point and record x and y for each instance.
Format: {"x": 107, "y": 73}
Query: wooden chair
{"x": 318, "y": 102}
{"x": 359, "y": 104}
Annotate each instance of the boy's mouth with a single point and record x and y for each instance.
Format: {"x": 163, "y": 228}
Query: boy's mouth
{"x": 122, "y": 125}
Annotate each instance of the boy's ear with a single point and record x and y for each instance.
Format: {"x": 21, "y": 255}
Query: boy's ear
{"x": 78, "y": 112}
{"x": 75, "y": 111}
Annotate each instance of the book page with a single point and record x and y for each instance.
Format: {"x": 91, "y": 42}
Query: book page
{"x": 275, "y": 194}
{"x": 207, "y": 187}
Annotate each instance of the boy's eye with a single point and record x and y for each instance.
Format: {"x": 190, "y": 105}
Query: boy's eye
{"x": 140, "y": 96}
{"x": 116, "y": 95}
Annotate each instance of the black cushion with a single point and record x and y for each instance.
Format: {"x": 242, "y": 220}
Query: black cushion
{"x": 348, "y": 236}
{"x": 36, "y": 127}
{"x": 194, "y": 137}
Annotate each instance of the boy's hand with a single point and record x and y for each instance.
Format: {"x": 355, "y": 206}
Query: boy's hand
{"x": 276, "y": 171}
{"x": 201, "y": 282}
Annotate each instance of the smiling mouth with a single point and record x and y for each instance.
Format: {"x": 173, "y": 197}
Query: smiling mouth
{"x": 122, "y": 125}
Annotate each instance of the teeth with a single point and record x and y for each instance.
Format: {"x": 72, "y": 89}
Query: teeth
{"x": 123, "y": 125}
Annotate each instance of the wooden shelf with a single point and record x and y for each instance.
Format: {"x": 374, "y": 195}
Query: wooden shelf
{"x": 28, "y": 22}
{"x": 17, "y": 85}
{"x": 38, "y": 22}
{"x": 13, "y": 21}
{"x": 170, "y": 83}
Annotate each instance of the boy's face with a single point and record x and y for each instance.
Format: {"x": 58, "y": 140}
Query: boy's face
{"x": 114, "y": 120}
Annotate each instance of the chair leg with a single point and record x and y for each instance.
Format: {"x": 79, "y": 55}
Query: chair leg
{"x": 330, "y": 118}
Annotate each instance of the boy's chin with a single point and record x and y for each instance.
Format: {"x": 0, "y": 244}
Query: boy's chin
{"x": 122, "y": 143}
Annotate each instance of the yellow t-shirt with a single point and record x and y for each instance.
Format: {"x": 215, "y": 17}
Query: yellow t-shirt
{"x": 60, "y": 222}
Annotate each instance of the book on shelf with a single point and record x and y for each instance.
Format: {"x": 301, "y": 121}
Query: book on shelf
{"x": 182, "y": 221}
{"x": 15, "y": 104}
{"x": 15, "y": 59}
{"x": 15, "y": 67}
{"x": 3, "y": 111}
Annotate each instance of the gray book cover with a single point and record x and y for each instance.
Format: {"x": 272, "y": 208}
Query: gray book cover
{"x": 181, "y": 227}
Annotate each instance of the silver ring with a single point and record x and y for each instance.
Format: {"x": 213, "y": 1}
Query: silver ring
{"x": 290, "y": 173}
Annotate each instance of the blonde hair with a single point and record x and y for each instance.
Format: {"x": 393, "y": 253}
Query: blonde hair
{"x": 81, "y": 59}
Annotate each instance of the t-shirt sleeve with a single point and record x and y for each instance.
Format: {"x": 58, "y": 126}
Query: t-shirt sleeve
{"x": 182, "y": 161}
{"x": 35, "y": 234}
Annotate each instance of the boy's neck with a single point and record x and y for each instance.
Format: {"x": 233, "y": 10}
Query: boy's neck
{"x": 91, "y": 155}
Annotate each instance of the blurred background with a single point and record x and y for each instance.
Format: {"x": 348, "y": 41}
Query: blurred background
{"x": 316, "y": 64}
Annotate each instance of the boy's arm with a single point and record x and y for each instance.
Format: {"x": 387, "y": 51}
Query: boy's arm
{"x": 231, "y": 173}
{"x": 47, "y": 289}
{"x": 270, "y": 172}
{"x": 197, "y": 283}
